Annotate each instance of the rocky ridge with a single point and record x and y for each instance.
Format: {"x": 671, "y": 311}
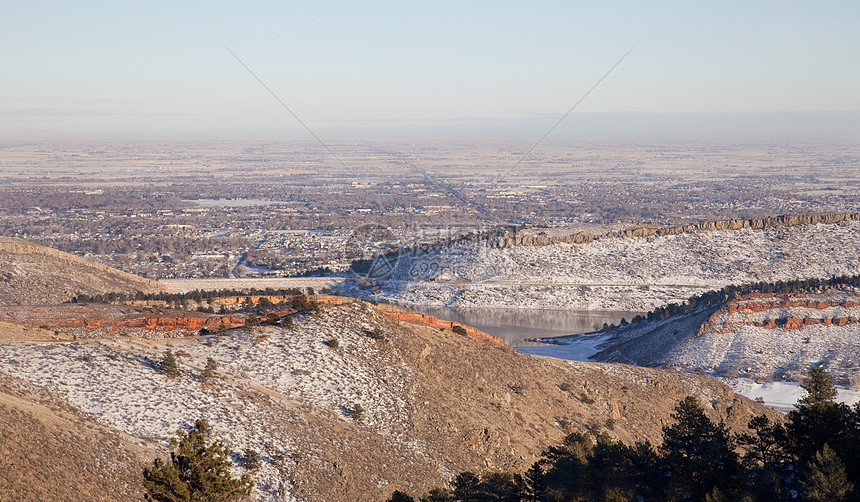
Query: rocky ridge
{"x": 532, "y": 238}
{"x": 620, "y": 272}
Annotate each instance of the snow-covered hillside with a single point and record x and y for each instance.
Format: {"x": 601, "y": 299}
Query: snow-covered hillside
{"x": 761, "y": 345}
{"x": 390, "y": 405}
{"x": 116, "y": 381}
{"x": 746, "y": 342}
{"x": 759, "y": 337}
{"x": 618, "y": 273}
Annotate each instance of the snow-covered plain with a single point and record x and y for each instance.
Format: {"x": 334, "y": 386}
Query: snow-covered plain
{"x": 116, "y": 381}
{"x": 617, "y": 273}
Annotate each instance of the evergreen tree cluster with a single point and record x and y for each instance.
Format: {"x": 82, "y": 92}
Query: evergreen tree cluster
{"x": 196, "y": 296}
{"x": 813, "y": 456}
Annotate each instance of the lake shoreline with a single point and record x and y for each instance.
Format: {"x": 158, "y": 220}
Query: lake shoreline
{"x": 518, "y": 327}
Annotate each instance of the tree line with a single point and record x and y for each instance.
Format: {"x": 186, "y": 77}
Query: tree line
{"x": 732, "y": 291}
{"x": 196, "y": 296}
{"x": 813, "y": 456}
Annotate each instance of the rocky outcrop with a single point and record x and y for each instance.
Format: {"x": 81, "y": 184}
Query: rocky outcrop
{"x": 773, "y": 303}
{"x": 798, "y": 323}
{"x": 98, "y": 320}
{"x": 785, "y": 303}
{"x": 515, "y": 238}
{"x": 760, "y": 303}
{"x": 149, "y": 323}
{"x": 255, "y": 299}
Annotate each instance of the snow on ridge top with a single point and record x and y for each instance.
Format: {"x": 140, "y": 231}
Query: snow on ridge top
{"x": 620, "y": 272}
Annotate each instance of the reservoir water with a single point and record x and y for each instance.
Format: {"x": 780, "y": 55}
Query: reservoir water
{"x": 515, "y": 325}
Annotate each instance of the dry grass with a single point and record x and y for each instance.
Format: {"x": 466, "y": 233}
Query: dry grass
{"x": 15, "y": 333}
{"x": 435, "y": 404}
{"x": 48, "y": 453}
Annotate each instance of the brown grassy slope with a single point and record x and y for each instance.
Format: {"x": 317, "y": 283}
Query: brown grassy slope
{"x": 31, "y": 274}
{"x": 471, "y": 405}
{"x": 480, "y": 407}
{"x": 48, "y": 452}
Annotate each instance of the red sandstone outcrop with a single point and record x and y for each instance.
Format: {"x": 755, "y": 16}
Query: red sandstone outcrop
{"x": 255, "y": 299}
{"x": 149, "y": 322}
{"x": 764, "y": 302}
{"x": 797, "y": 323}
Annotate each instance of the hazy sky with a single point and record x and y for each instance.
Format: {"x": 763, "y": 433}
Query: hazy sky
{"x": 372, "y": 69}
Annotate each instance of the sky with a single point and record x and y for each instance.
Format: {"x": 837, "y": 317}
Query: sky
{"x": 445, "y": 69}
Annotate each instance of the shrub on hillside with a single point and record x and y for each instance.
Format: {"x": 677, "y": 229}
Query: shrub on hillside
{"x": 287, "y": 321}
{"x": 209, "y": 371}
{"x": 252, "y": 320}
{"x": 375, "y": 333}
{"x": 356, "y": 412}
{"x": 251, "y": 460}
{"x": 169, "y": 366}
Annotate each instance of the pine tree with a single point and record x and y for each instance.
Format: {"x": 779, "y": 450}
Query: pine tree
{"x": 826, "y": 480}
{"x": 197, "y": 471}
{"x": 399, "y": 496}
{"x": 287, "y": 321}
{"x": 251, "y": 460}
{"x": 252, "y": 320}
{"x": 817, "y": 419}
{"x": 819, "y": 388}
{"x": 169, "y": 366}
{"x": 533, "y": 485}
{"x": 437, "y": 495}
{"x": 466, "y": 487}
{"x": 299, "y": 302}
{"x": 765, "y": 446}
{"x": 357, "y": 412}
{"x": 498, "y": 486}
{"x": 699, "y": 453}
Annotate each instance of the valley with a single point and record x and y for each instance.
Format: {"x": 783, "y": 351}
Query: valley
{"x": 435, "y": 401}
{"x": 393, "y": 333}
